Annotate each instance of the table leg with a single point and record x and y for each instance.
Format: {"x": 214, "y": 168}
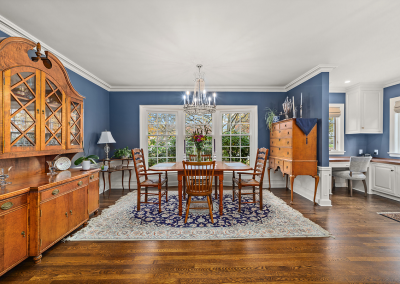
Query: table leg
{"x": 123, "y": 180}
{"x": 291, "y": 187}
{"x": 130, "y": 174}
{"x": 216, "y": 186}
{"x": 233, "y": 186}
{"x": 221, "y": 193}
{"x": 104, "y": 182}
{"x": 109, "y": 184}
{"x": 180, "y": 192}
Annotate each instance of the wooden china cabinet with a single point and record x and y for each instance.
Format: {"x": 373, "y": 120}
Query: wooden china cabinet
{"x": 41, "y": 117}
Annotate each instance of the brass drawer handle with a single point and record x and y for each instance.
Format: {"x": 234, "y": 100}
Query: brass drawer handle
{"x": 23, "y": 234}
{"x": 80, "y": 183}
{"x": 66, "y": 214}
{"x": 7, "y": 205}
{"x": 70, "y": 211}
{"x": 279, "y": 131}
{"x": 55, "y": 192}
{"x": 279, "y": 149}
{"x": 288, "y": 153}
{"x": 288, "y": 132}
{"x": 92, "y": 177}
{"x": 279, "y": 139}
{"x": 288, "y": 142}
{"x": 285, "y": 125}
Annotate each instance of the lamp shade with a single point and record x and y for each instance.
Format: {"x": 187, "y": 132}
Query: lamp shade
{"x": 106, "y": 137}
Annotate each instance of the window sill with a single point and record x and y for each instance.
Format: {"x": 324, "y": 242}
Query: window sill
{"x": 395, "y": 155}
{"x": 334, "y": 153}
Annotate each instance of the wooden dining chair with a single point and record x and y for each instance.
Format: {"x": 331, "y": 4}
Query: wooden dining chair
{"x": 255, "y": 181}
{"x": 143, "y": 180}
{"x": 204, "y": 158}
{"x": 199, "y": 177}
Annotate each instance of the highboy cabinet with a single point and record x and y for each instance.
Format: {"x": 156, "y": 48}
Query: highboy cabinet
{"x": 41, "y": 118}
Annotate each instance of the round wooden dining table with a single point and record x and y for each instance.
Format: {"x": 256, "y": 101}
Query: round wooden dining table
{"x": 220, "y": 168}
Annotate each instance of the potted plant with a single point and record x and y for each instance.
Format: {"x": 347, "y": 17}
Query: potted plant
{"x": 270, "y": 117}
{"x": 85, "y": 161}
{"x": 123, "y": 153}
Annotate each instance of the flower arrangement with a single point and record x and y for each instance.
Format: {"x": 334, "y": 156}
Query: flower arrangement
{"x": 198, "y": 139}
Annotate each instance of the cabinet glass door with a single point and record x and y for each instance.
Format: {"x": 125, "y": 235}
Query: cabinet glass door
{"x": 21, "y": 110}
{"x": 52, "y": 113}
{"x": 75, "y": 137}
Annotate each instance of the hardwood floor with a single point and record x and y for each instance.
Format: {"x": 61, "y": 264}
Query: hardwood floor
{"x": 366, "y": 249}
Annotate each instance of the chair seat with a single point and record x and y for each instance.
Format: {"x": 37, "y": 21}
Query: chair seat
{"x": 346, "y": 175}
{"x": 247, "y": 182}
{"x": 153, "y": 182}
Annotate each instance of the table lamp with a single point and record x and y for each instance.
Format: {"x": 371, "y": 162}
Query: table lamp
{"x": 106, "y": 138}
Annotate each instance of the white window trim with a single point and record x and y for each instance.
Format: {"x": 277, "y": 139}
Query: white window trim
{"x": 339, "y": 131}
{"x": 394, "y": 150}
{"x": 216, "y": 121}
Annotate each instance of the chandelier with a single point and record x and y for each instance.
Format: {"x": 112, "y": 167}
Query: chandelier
{"x": 199, "y": 102}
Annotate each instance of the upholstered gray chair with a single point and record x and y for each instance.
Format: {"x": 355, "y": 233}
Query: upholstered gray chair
{"x": 357, "y": 171}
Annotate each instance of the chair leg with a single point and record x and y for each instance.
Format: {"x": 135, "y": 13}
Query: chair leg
{"x": 233, "y": 186}
{"x": 365, "y": 187}
{"x": 348, "y": 186}
{"x": 209, "y": 207}
{"x": 254, "y": 194}
{"x": 138, "y": 198}
{"x": 216, "y": 187}
{"x": 240, "y": 196}
{"x": 166, "y": 187}
{"x": 351, "y": 187}
{"x": 159, "y": 198}
{"x": 187, "y": 208}
{"x": 145, "y": 197}
{"x": 130, "y": 175}
{"x": 261, "y": 197}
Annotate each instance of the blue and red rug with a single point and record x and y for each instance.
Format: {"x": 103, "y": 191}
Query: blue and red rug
{"x": 123, "y": 222}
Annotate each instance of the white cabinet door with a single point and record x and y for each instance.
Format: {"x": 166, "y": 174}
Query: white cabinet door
{"x": 371, "y": 111}
{"x": 352, "y": 112}
{"x": 383, "y": 178}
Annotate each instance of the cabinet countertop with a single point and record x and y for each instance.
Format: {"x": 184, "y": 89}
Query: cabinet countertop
{"x": 374, "y": 160}
{"x": 41, "y": 182}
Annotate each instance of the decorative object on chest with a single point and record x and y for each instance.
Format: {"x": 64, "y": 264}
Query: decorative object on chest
{"x": 293, "y": 149}
{"x": 62, "y": 163}
{"x": 4, "y": 174}
{"x": 106, "y": 138}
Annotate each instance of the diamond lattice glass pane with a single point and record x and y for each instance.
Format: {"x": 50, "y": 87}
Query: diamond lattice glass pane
{"x": 53, "y": 124}
{"x": 15, "y": 79}
{"x": 14, "y": 105}
{"x": 78, "y": 108}
{"x": 71, "y": 137}
{"x": 25, "y": 74}
{"x": 32, "y": 84}
{"x": 53, "y": 142}
{"x": 23, "y": 142}
{"x": 48, "y": 112}
{"x": 58, "y": 135}
{"x": 31, "y": 109}
{"x": 22, "y": 120}
{"x": 52, "y": 85}
{"x": 47, "y": 135}
{"x": 77, "y": 140}
{"x": 74, "y": 130}
{"x": 23, "y": 94}
{"x": 75, "y": 115}
{"x": 59, "y": 96}
{"x": 31, "y": 134}
{"x": 58, "y": 114}
{"x": 48, "y": 89}
{"x": 53, "y": 102}
{"x": 14, "y": 133}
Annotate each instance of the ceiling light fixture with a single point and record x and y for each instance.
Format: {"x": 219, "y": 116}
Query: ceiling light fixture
{"x": 346, "y": 82}
{"x": 201, "y": 103}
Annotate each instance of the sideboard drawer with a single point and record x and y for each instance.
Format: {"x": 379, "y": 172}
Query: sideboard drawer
{"x": 282, "y": 133}
{"x": 275, "y": 126}
{"x": 12, "y": 203}
{"x": 271, "y": 163}
{"x": 285, "y": 125}
{"x": 94, "y": 177}
{"x": 278, "y": 163}
{"x": 279, "y": 142}
{"x": 283, "y": 152}
{"x": 63, "y": 188}
{"x": 287, "y": 167}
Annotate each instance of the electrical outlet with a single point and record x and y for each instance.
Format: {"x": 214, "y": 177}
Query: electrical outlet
{"x": 376, "y": 152}
{"x": 360, "y": 151}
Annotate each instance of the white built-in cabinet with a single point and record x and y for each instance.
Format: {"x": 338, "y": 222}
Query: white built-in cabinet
{"x": 364, "y": 109}
{"x": 385, "y": 179}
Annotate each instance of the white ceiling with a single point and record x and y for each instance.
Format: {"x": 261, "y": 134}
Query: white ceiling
{"x": 157, "y": 43}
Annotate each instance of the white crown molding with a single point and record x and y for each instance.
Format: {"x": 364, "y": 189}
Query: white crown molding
{"x": 13, "y": 30}
{"x": 186, "y": 88}
{"x": 333, "y": 89}
{"x": 309, "y": 74}
{"x": 392, "y": 83}
{"x": 363, "y": 86}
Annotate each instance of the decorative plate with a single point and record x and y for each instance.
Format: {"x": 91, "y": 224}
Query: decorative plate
{"x": 62, "y": 163}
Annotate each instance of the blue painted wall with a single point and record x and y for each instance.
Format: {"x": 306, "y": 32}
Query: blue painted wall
{"x": 124, "y": 107}
{"x": 96, "y": 110}
{"x": 352, "y": 142}
{"x": 316, "y": 105}
{"x": 381, "y": 141}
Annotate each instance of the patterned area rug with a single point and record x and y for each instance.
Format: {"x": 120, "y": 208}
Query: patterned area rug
{"x": 392, "y": 215}
{"x": 123, "y": 222}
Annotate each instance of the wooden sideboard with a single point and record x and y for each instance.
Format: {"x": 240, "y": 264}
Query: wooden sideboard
{"x": 293, "y": 152}
{"x": 34, "y": 218}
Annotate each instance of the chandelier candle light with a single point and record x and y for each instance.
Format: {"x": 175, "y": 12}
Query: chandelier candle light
{"x": 201, "y": 102}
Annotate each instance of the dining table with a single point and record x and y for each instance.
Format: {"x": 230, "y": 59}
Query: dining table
{"x": 220, "y": 168}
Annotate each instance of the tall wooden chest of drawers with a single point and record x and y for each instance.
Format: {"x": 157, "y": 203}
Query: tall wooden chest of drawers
{"x": 293, "y": 152}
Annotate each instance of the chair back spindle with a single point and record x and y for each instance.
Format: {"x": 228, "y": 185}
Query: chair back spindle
{"x": 199, "y": 177}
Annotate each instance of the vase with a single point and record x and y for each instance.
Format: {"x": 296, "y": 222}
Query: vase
{"x": 86, "y": 165}
{"x": 198, "y": 155}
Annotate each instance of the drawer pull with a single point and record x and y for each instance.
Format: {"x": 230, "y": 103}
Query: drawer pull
{"x": 92, "y": 177}
{"x": 80, "y": 183}
{"x": 279, "y": 139}
{"x": 66, "y": 214}
{"x": 55, "y": 192}
{"x": 7, "y": 205}
{"x": 279, "y": 131}
{"x": 279, "y": 149}
{"x": 23, "y": 234}
{"x": 288, "y": 132}
{"x": 70, "y": 211}
{"x": 288, "y": 153}
{"x": 285, "y": 125}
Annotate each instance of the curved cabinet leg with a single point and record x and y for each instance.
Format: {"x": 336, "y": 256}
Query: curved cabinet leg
{"x": 37, "y": 259}
{"x": 287, "y": 181}
{"x": 85, "y": 224}
{"x": 96, "y": 212}
{"x": 291, "y": 188}
{"x": 316, "y": 187}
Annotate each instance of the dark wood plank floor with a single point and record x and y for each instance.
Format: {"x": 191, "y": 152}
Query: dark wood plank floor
{"x": 366, "y": 249}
